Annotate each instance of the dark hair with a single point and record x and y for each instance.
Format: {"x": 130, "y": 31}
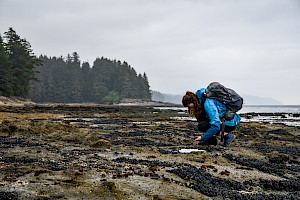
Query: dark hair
{"x": 191, "y": 97}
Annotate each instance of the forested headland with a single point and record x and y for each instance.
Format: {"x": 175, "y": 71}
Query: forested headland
{"x": 65, "y": 79}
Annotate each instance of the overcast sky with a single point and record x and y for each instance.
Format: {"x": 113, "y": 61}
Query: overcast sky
{"x": 250, "y": 46}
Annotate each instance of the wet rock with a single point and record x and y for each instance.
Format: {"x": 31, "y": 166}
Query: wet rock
{"x": 125, "y": 134}
{"x": 24, "y": 160}
{"x": 217, "y": 187}
{"x": 278, "y": 169}
{"x": 279, "y": 132}
{"x": 101, "y": 143}
{"x": 292, "y": 185}
{"x": 54, "y": 166}
{"x": 168, "y": 151}
{"x": 289, "y": 150}
{"x": 208, "y": 184}
{"x": 140, "y": 142}
{"x": 225, "y": 172}
{"x": 278, "y": 158}
{"x": 8, "y": 127}
{"x": 38, "y": 172}
{"x": 14, "y": 141}
{"x": 153, "y": 167}
{"x": 9, "y": 196}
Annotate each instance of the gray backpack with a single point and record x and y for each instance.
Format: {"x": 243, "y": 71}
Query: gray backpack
{"x": 227, "y": 96}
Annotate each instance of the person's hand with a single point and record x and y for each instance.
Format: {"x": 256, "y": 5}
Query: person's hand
{"x": 198, "y": 138}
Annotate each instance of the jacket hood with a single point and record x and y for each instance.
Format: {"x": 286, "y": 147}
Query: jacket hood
{"x": 200, "y": 92}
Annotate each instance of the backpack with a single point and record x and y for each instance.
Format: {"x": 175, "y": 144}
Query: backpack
{"x": 227, "y": 96}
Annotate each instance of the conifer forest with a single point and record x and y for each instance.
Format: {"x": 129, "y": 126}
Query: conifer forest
{"x": 65, "y": 79}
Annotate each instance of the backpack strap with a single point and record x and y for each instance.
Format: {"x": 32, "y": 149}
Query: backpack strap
{"x": 203, "y": 98}
{"x": 223, "y": 128}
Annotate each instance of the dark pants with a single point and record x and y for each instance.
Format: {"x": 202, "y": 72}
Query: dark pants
{"x": 203, "y": 126}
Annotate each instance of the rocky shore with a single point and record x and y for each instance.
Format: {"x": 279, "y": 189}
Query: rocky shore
{"x": 133, "y": 152}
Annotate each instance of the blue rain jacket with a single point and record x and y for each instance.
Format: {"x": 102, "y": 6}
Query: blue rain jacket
{"x": 215, "y": 110}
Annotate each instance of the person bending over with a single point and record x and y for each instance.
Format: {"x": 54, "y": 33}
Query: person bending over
{"x": 209, "y": 115}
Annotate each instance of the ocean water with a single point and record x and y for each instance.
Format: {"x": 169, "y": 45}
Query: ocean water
{"x": 288, "y": 115}
{"x": 256, "y": 109}
{"x": 271, "y": 109}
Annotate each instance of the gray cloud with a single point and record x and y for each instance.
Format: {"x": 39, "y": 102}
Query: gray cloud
{"x": 252, "y": 46}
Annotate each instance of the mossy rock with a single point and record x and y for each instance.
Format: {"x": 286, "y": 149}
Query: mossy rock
{"x": 278, "y": 158}
{"x": 101, "y": 143}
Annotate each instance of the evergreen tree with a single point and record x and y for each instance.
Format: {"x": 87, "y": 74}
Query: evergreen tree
{"x": 86, "y": 82}
{"x": 120, "y": 77}
{"x": 74, "y": 73}
{"x": 146, "y": 87}
{"x": 61, "y": 80}
{"x": 102, "y": 78}
{"x": 22, "y": 62}
{"x": 5, "y": 73}
{"x": 45, "y": 88}
{"x": 127, "y": 89}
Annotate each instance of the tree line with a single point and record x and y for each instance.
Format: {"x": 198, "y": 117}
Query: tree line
{"x": 65, "y": 80}
{"x": 107, "y": 81}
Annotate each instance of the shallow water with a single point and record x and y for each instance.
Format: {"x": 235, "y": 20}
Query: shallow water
{"x": 288, "y": 115}
{"x": 277, "y": 119}
{"x": 271, "y": 109}
{"x": 255, "y": 109}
